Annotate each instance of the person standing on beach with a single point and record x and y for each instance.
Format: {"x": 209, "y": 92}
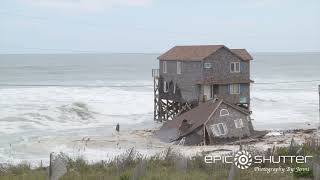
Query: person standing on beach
{"x": 118, "y": 128}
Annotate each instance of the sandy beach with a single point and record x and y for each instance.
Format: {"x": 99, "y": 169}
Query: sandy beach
{"x": 97, "y": 148}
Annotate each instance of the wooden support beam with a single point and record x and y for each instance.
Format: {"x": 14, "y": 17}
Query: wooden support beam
{"x": 165, "y": 109}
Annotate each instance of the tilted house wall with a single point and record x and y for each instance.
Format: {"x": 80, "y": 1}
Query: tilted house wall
{"x": 232, "y": 132}
{"x": 202, "y": 120}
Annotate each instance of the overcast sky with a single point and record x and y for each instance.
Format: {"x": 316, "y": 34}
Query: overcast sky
{"x": 152, "y": 26}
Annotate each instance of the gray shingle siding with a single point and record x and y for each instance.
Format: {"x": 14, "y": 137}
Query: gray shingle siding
{"x": 193, "y": 71}
{"x": 228, "y": 120}
{"x": 190, "y": 72}
{"x": 224, "y": 92}
{"x": 220, "y": 61}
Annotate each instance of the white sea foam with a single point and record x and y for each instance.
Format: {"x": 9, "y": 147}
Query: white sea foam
{"x": 46, "y": 108}
{"x": 279, "y": 107}
{"x": 75, "y": 99}
{"x": 29, "y": 114}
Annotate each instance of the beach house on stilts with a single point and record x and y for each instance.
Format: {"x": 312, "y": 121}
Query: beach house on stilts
{"x": 203, "y": 92}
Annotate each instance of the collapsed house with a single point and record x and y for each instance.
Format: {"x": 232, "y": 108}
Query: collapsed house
{"x": 212, "y": 122}
{"x": 203, "y": 94}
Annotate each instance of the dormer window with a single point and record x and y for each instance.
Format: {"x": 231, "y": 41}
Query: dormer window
{"x": 224, "y": 112}
{"x": 235, "y": 67}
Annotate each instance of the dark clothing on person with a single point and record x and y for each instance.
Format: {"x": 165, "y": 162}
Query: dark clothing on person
{"x": 118, "y": 127}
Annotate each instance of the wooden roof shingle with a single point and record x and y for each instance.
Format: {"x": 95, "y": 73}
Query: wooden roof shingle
{"x": 200, "y": 52}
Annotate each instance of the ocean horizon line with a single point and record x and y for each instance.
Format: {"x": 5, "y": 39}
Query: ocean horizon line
{"x": 151, "y": 53}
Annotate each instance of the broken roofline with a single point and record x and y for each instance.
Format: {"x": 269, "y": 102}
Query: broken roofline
{"x": 200, "y": 53}
{"x": 218, "y": 102}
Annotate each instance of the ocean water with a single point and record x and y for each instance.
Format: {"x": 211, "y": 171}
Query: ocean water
{"x": 53, "y": 98}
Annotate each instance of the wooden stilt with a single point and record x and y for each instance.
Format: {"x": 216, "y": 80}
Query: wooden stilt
{"x": 164, "y": 108}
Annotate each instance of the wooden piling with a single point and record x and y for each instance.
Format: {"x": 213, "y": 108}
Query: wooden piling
{"x": 165, "y": 108}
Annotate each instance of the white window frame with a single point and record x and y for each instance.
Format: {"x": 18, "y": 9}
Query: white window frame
{"x": 232, "y": 89}
{"x": 207, "y": 65}
{"x": 164, "y": 67}
{"x": 215, "y": 128}
{"x": 174, "y": 87}
{"x": 224, "y": 114}
{"x": 179, "y": 67}
{"x": 238, "y": 123}
{"x": 236, "y": 67}
{"x": 165, "y": 86}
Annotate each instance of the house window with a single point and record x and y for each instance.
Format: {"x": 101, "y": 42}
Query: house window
{"x": 219, "y": 129}
{"x": 179, "y": 67}
{"x": 165, "y": 86}
{"x": 207, "y": 65}
{"x": 235, "y": 67}
{"x": 234, "y": 88}
{"x": 164, "y": 66}
{"x": 224, "y": 112}
{"x": 238, "y": 123}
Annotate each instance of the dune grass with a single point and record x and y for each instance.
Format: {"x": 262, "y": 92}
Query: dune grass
{"x": 166, "y": 165}
{"x": 154, "y": 171}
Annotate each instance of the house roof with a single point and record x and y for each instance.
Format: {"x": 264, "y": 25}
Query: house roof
{"x": 195, "y": 115}
{"x": 242, "y": 53}
{"x": 200, "y": 52}
{"x": 200, "y": 115}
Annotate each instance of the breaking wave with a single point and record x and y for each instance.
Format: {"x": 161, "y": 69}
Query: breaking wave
{"x": 79, "y": 109}
{"x": 59, "y": 108}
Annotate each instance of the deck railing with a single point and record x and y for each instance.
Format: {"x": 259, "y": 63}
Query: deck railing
{"x": 155, "y": 73}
